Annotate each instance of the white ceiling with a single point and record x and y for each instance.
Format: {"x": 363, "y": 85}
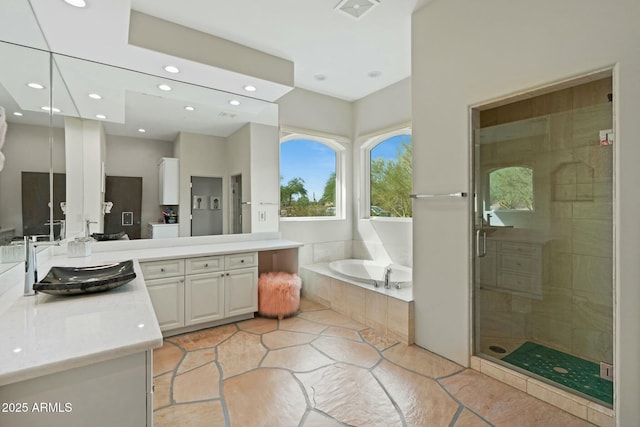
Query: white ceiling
{"x": 312, "y": 34}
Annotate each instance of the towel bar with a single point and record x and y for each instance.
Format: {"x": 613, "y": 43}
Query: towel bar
{"x": 433, "y": 196}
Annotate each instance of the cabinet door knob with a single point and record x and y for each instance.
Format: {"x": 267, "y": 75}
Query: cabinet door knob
{"x": 162, "y": 270}
{"x": 206, "y": 265}
{"x": 241, "y": 261}
{"x": 227, "y": 274}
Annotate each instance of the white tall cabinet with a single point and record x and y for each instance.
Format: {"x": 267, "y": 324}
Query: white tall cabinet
{"x": 169, "y": 181}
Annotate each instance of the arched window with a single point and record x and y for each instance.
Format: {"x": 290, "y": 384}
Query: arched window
{"x": 511, "y": 188}
{"x": 310, "y": 177}
{"x": 388, "y": 175}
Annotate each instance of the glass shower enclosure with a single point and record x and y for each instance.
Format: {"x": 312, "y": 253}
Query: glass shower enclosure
{"x": 543, "y": 231}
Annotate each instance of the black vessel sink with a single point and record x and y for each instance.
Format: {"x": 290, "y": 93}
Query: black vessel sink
{"x": 112, "y": 236}
{"x": 82, "y": 280}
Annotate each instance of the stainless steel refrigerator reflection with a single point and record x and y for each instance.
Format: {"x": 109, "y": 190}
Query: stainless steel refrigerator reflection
{"x": 206, "y": 206}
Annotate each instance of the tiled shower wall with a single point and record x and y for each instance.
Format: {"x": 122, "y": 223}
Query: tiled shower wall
{"x": 573, "y": 182}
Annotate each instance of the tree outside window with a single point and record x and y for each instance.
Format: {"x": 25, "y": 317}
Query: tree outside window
{"x": 307, "y": 179}
{"x": 391, "y": 178}
{"x": 511, "y": 188}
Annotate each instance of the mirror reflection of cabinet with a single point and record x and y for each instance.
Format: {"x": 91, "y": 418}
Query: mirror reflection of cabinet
{"x": 169, "y": 181}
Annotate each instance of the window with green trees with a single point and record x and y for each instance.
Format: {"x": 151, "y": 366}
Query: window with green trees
{"x": 390, "y": 177}
{"x": 307, "y": 178}
{"x": 511, "y": 188}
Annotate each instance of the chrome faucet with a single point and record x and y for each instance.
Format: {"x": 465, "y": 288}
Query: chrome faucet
{"x": 387, "y": 274}
{"x": 63, "y": 229}
{"x": 87, "y": 231}
{"x": 31, "y": 262}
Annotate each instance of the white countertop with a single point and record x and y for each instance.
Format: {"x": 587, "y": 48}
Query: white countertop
{"x": 170, "y": 251}
{"x": 43, "y": 334}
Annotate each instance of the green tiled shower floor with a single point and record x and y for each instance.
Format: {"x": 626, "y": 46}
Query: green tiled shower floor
{"x": 570, "y": 371}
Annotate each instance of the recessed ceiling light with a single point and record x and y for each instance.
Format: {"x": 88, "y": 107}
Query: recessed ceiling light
{"x": 95, "y": 96}
{"x": 34, "y": 85}
{"x": 76, "y": 3}
{"x": 172, "y": 69}
{"x": 375, "y": 73}
{"x": 101, "y": 116}
{"x": 142, "y": 130}
{"x": 17, "y": 113}
{"x": 164, "y": 87}
{"x": 234, "y": 102}
{"x": 17, "y": 350}
{"x": 189, "y": 108}
{"x": 54, "y": 109}
{"x": 320, "y": 77}
{"x": 250, "y": 88}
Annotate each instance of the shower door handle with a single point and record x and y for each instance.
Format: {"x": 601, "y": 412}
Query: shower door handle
{"x": 481, "y": 251}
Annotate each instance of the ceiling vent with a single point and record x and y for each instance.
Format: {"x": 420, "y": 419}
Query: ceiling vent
{"x": 357, "y": 8}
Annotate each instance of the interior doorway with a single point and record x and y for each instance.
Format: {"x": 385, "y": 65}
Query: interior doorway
{"x": 236, "y": 204}
{"x": 126, "y": 194}
{"x": 35, "y": 202}
{"x": 206, "y": 206}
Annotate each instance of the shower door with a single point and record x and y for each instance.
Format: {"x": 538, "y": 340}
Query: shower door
{"x": 543, "y": 224}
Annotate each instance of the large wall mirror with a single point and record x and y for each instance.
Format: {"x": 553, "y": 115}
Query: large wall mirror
{"x": 33, "y": 146}
{"x": 103, "y": 141}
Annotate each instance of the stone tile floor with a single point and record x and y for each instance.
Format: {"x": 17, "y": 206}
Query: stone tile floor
{"x": 322, "y": 369}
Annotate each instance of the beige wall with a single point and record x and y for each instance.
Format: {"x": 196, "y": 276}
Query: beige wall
{"x": 239, "y": 163}
{"x": 466, "y": 53}
{"x": 26, "y": 149}
{"x": 265, "y": 178}
{"x": 324, "y": 239}
{"x": 200, "y": 155}
{"x": 385, "y": 240}
{"x": 139, "y": 157}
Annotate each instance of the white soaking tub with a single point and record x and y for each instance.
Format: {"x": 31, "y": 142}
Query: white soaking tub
{"x": 372, "y": 272}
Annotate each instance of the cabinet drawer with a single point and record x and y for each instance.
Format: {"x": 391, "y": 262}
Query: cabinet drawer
{"x": 488, "y": 269}
{"x": 518, "y": 282}
{"x": 249, "y": 259}
{"x": 205, "y": 264}
{"x": 492, "y": 245}
{"x": 162, "y": 269}
{"x": 520, "y": 248}
{"x": 524, "y": 265}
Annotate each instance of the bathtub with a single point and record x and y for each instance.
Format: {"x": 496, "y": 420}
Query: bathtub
{"x": 372, "y": 272}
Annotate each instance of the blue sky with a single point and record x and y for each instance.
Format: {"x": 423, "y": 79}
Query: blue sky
{"x": 314, "y": 162}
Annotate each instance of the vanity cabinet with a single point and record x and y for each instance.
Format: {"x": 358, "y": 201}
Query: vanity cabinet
{"x": 169, "y": 181}
{"x": 513, "y": 266}
{"x": 165, "y": 284}
{"x": 163, "y": 231}
{"x": 200, "y": 290}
